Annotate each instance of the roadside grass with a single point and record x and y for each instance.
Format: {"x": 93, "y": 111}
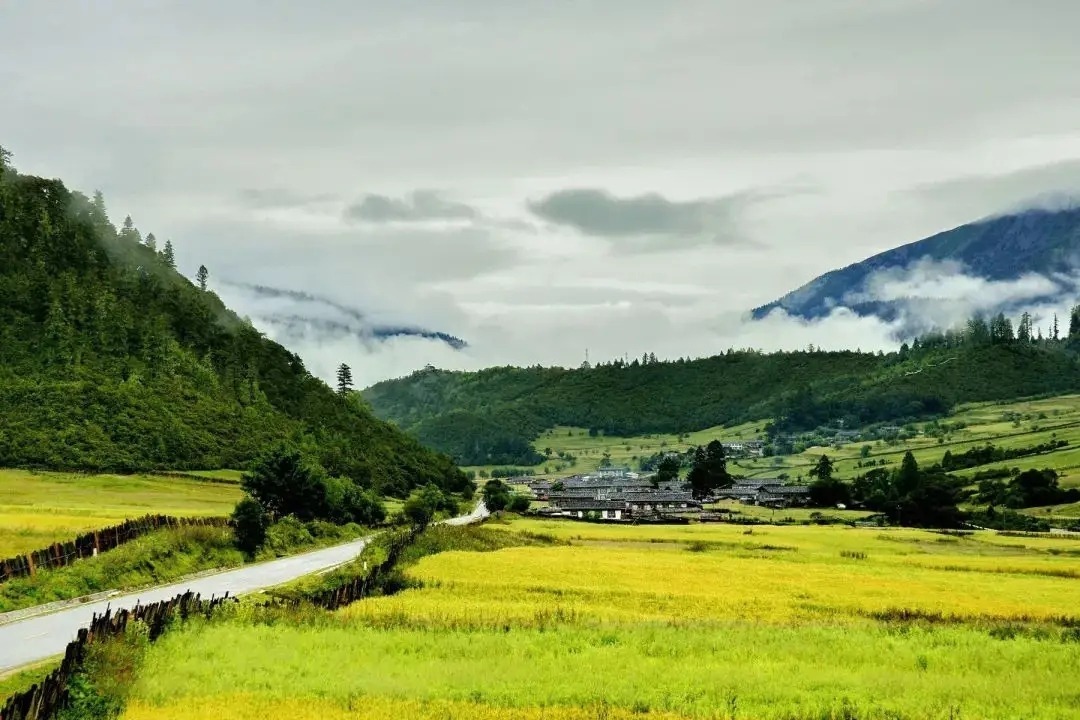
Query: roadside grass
{"x": 21, "y": 679}
{"x": 164, "y": 556}
{"x": 698, "y": 621}
{"x": 40, "y": 508}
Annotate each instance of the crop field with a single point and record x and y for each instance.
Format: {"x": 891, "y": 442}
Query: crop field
{"x": 1007, "y": 425}
{"x": 697, "y": 621}
{"x": 38, "y": 508}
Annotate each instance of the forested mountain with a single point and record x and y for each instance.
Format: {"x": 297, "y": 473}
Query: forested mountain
{"x": 486, "y": 417}
{"x": 1001, "y": 248}
{"x": 110, "y": 359}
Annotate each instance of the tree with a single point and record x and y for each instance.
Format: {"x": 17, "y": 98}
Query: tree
{"x": 1054, "y": 333}
{"x": 167, "y": 255}
{"x": 151, "y": 242}
{"x": 518, "y": 503}
{"x": 667, "y": 470}
{"x": 1074, "y": 323}
{"x": 908, "y": 476}
{"x": 344, "y": 379}
{"x": 829, "y": 492}
{"x": 709, "y": 471}
{"x": 129, "y": 233}
{"x": 5, "y": 159}
{"x": 823, "y": 470}
{"x": 286, "y": 482}
{"x": 250, "y": 523}
{"x": 201, "y": 277}
{"x": 496, "y": 495}
{"x": 1024, "y": 331}
{"x": 422, "y": 505}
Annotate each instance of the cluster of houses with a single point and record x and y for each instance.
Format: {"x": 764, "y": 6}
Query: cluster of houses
{"x": 621, "y": 495}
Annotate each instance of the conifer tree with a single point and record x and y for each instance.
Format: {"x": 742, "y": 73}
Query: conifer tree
{"x": 167, "y": 255}
{"x": 1054, "y": 333}
{"x": 151, "y": 241}
{"x": 202, "y": 276}
{"x": 344, "y": 379}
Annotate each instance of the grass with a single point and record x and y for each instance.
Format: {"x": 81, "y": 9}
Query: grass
{"x": 164, "y": 556}
{"x": 40, "y": 508}
{"x": 1010, "y": 425}
{"x": 698, "y": 621}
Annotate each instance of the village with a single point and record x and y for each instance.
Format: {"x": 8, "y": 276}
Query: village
{"x": 618, "y": 494}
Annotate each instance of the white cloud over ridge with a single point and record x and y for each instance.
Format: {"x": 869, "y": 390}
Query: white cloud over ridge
{"x": 246, "y": 136}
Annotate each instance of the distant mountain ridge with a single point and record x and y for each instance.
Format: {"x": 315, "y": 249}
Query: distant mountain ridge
{"x": 1006, "y": 247}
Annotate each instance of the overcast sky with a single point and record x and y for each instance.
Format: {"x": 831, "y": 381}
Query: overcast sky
{"x": 539, "y": 178}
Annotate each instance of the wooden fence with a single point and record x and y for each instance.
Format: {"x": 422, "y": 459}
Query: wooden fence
{"x": 357, "y": 588}
{"x": 91, "y": 543}
{"x": 43, "y": 700}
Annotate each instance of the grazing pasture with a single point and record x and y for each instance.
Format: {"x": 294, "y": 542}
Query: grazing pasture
{"x": 698, "y": 621}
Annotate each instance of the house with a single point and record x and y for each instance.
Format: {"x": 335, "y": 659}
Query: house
{"x": 585, "y": 508}
{"x": 768, "y": 493}
{"x": 614, "y": 471}
{"x": 745, "y": 448}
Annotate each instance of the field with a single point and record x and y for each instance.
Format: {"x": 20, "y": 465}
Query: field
{"x": 699, "y": 621}
{"x": 1009, "y": 425}
{"x": 38, "y": 508}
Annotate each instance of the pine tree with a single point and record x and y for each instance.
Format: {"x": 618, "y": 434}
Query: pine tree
{"x": 130, "y": 233}
{"x": 5, "y": 159}
{"x": 1054, "y": 333}
{"x": 1074, "y": 323}
{"x": 167, "y": 255}
{"x": 201, "y": 277}
{"x": 1023, "y": 333}
{"x": 151, "y": 241}
{"x": 344, "y": 379}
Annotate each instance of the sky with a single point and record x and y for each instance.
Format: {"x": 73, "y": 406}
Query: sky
{"x": 543, "y": 179}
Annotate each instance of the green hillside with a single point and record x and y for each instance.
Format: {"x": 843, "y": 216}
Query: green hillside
{"x": 112, "y": 360}
{"x": 495, "y": 411}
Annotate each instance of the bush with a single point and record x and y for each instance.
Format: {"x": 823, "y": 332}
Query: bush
{"x": 518, "y": 503}
{"x": 250, "y": 522}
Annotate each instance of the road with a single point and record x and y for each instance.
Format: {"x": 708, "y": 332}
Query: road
{"x": 36, "y": 638}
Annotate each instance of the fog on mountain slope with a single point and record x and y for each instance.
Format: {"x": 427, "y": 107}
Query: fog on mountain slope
{"x": 1000, "y": 264}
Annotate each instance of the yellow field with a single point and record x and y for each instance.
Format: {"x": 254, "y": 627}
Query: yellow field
{"x": 39, "y": 508}
{"x": 664, "y": 622}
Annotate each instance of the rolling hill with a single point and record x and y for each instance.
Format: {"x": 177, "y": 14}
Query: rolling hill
{"x": 1001, "y": 248}
{"x": 490, "y": 417}
{"x": 112, "y": 360}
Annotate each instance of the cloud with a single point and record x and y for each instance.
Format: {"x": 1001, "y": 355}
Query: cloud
{"x": 599, "y": 213}
{"x": 930, "y": 294}
{"x": 418, "y": 206}
{"x": 281, "y": 198}
{"x": 1052, "y": 186}
{"x": 301, "y": 318}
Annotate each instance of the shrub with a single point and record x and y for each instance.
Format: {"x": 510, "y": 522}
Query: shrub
{"x": 250, "y": 522}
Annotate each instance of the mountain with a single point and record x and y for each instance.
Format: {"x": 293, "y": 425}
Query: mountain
{"x": 112, "y": 360}
{"x": 1001, "y": 248}
{"x": 491, "y": 416}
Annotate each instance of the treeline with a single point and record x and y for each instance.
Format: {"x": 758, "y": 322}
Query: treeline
{"x": 989, "y": 453}
{"x": 110, "y": 359}
{"x": 801, "y": 390}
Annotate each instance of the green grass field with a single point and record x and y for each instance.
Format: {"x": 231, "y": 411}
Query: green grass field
{"x": 39, "y": 508}
{"x": 669, "y": 622}
{"x": 1007, "y": 425}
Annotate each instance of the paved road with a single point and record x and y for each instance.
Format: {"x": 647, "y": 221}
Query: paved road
{"x": 36, "y": 638}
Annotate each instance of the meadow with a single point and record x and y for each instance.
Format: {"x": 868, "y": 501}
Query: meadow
{"x": 698, "y": 621}
{"x": 39, "y": 508}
